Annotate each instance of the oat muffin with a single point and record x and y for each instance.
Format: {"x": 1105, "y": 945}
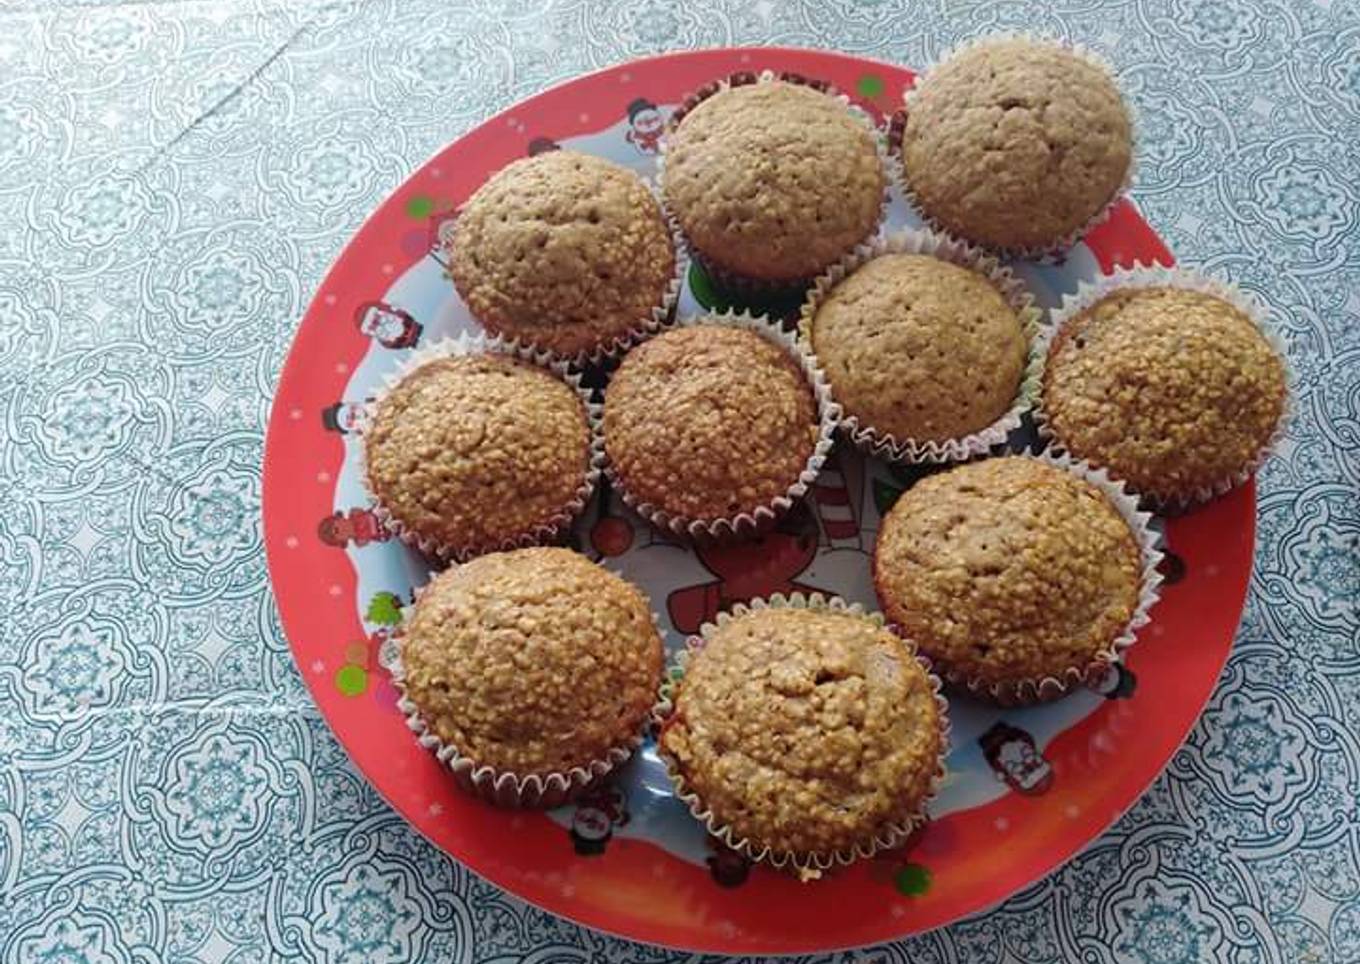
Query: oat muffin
{"x": 916, "y": 347}
{"x": 533, "y": 661}
{"x": 1173, "y": 390}
{"x": 1008, "y": 571}
{"x": 773, "y": 181}
{"x": 564, "y": 251}
{"x": 475, "y": 452}
{"x": 805, "y": 731}
{"x": 707, "y": 421}
{"x": 1016, "y": 144}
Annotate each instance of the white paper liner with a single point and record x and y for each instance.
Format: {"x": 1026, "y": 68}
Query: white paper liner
{"x": 1045, "y": 689}
{"x": 475, "y": 344}
{"x": 727, "y": 279}
{"x": 806, "y": 866}
{"x": 1156, "y": 276}
{"x": 761, "y": 517}
{"x": 894, "y": 126}
{"x": 925, "y": 242}
{"x": 657, "y": 319}
{"x": 505, "y": 788}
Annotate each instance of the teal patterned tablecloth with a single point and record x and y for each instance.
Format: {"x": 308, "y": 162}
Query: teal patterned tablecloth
{"x": 175, "y": 177}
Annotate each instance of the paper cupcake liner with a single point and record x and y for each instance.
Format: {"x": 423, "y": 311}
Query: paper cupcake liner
{"x": 883, "y": 444}
{"x": 761, "y": 518}
{"x": 503, "y": 788}
{"x": 471, "y": 344}
{"x": 730, "y": 281}
{"x": 1090, "y": 292}
{"x": 658, "y": 318}
{"x": 809, "y": 865}
{"x": 1044, "y": 689}
{"x": 895, "y": 126}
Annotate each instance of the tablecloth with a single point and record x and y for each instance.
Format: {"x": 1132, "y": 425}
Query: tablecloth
{"x": 175, "y": 177}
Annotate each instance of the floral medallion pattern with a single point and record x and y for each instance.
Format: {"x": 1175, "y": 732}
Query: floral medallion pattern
{"x": 175, "y": 182}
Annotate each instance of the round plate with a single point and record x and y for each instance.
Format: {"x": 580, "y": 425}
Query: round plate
{"x": 1027, "y": 788}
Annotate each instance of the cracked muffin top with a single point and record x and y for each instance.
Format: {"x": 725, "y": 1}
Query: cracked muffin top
{"x": 1008, "y": 570}
{"x": 1016, "y": 143}
{"x": 532, "y": 661}
{"x": 1173, "y": 390}
{"x": 918, "y": 348}
{"x": 805, "y": 730}
{"x": 708, "y": 421}
{"x": 564, "y": 251}
{"x": 773, "y": 180}
{"x": 470, "y": 451}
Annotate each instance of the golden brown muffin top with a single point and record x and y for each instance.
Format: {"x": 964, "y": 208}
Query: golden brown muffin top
{"x": 565, "y": 251}
{"x": 805, "y": 730}
{"x": 1007, "y": 570}
{"x": 773, "y": 180}
{"x": 708, "y": 421}
{"x": 1015, "y": 143}
{"x": 532, "y": 661}
{"x": 1171, "y": 389}
{"x": 919, "y": 348}
{"x": 471, "y": 450}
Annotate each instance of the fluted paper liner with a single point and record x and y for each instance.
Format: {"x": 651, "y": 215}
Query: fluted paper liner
{"x": 895, "y": 126}
{"x": 742, "y": 284}
{"x": 505, "y": 788}
{"x": 1090, "y": 292}
{"x": 472, "y": 344}
{"x": 1044, "y": 689}
{"x": 655, "y": 320}
{"x": 806, "y": 866}
{"x": 761, "y": 517}
{"x": 869, "y": 439}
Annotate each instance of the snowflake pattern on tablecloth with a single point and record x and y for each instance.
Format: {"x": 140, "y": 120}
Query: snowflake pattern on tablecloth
{"x": 174, "y": 183}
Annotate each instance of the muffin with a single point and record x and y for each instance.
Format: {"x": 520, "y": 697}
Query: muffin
{"x": 534, "y": 663}
{"x": 772, "y": 181}
{"x": 1174, "y": 390}
{"x": 919, "y": 350}
{"x": 565, "y": 252}
{"x": 1016, "y": 144}
{"x": 712, "y": 426}
{"x": 466, "y": 453}
{"x": 1014, "y": 576}
{"x": 804, "y": 736}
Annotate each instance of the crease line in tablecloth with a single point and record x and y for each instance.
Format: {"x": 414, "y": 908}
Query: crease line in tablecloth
{"x": 238, "y": 88}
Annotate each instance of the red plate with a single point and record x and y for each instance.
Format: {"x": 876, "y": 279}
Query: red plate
{"x": 1028, "y": 789}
